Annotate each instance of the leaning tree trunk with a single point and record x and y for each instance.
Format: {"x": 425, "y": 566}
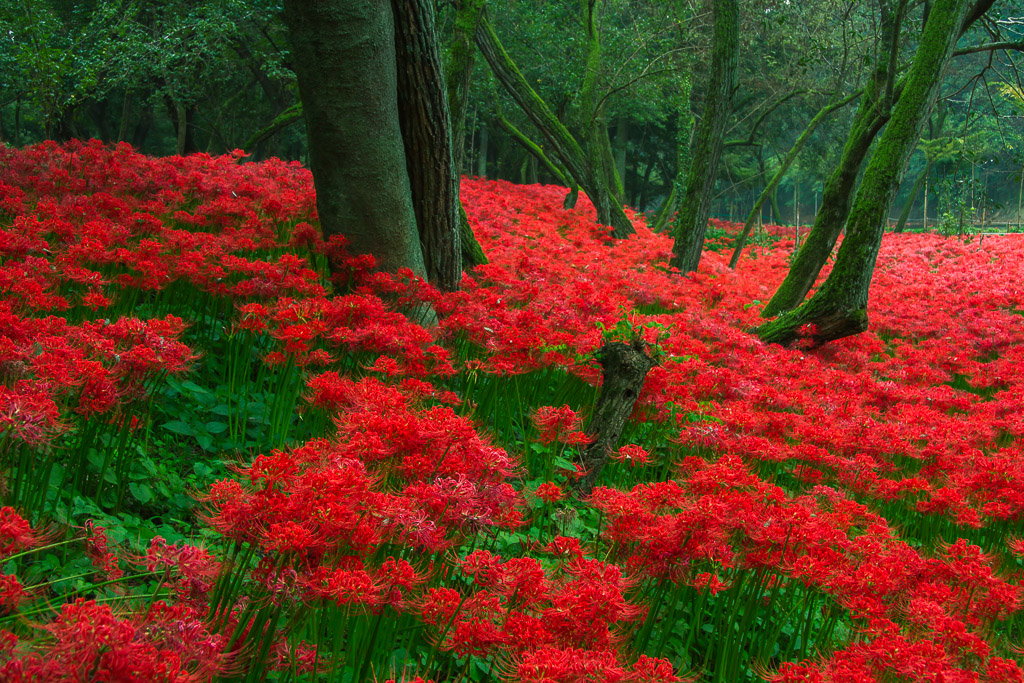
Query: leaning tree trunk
{"x": 839, "y": 308}
{"x": 560, "y": 140}
{"x": 426, "y": 131}
{"x": 837, "y": 196}
{"x": 692, "y": 220}
{"x": 343, "y": 53}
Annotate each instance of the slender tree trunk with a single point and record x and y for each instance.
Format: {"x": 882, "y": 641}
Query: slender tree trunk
{"x": 534, "y": 149}
{"x": 684, "y": 134}
{"x": 777, "y": 178}
{"x": 343, "y": 53}
{"x": 839, "y": 308}
{"x": 692, "y": 221}
{"x": 458, "y": 72}
{"x": 915, "y": 190}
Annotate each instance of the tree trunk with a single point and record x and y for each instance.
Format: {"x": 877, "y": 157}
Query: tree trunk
{"x": 684, "y": 135}
{"x": 343, "y": 53}
{"x": 839, "y": 308}
{"x": 458, "y": 73}
{"x": 692, "y": 220}
{"x": 777, "y": 178}
{"x": 426, "y": 131}
{"x": 621, "y": 143}
{"x": 922, "y": 179}
{"x": 915, "y": 190}
{"x": 624, "y": 369}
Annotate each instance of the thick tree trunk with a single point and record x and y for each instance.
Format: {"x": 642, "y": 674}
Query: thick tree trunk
{"x": 777, "y": 178}
{"x": 624, "y": 369}
{"x": 343, "y": 52}
{"x": 561, "y": 142}
{"x": 426, "y": 130}
{"x": 621, "y": 143}
{"x": 692, "y": 220}
{"x": 839, "y": 308}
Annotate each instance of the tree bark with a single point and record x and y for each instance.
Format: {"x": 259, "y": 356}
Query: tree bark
{"x": 426, "y": 131}
{"x": 839, "y": 308}
{"x": 343, "y": 53}
{"x": 624, "y": 368}
{"x": 692, "y": 220}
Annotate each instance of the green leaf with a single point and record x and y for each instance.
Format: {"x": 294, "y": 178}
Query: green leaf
{"x": 142, "y": 492}
{"x": 179, "y": 427}
{"x": 216, "y": 427}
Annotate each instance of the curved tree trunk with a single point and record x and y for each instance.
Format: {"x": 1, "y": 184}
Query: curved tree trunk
{"x": 692, "y": 220}
{"x": 344, "y": 57}
{"x": 839, "y": 308}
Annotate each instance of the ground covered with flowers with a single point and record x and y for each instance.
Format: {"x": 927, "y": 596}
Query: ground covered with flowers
{"x": 219, "y": 464}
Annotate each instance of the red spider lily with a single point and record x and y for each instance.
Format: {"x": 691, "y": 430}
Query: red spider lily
{"x": 90, "y": 642}
{"x": 555, "y": 424}
{"x": 549, "y": 492}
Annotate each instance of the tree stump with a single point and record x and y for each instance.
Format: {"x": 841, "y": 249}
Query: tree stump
{"x": 624, "y": 369}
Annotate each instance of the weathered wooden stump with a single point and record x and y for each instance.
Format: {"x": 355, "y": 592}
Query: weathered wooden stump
{"x": 624, "y": 369}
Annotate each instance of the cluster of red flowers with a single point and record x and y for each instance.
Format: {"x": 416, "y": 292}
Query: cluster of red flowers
{"x": 863, "y": 498}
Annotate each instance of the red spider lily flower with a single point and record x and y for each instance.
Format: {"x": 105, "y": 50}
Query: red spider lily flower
{"x": 97, "y": 550}
{"x": 16, "y": 534}
{"x": 553, "y": 423}
{"x": 550, "y": 492}
{"x": 632, "y": 454}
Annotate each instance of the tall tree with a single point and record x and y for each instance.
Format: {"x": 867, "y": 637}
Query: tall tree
{"x": 839, "y": 308}
{"x": 695, "y": 209}
{"x": 362, "y": 149}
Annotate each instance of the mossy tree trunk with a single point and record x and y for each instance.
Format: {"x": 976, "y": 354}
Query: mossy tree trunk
{"x": 882, "y": 91}
{"x": 560, "y": 141}
{"x": 839, "y": 308}
{"x": 695, "y": 208}
{"x": 351, "y": 57}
